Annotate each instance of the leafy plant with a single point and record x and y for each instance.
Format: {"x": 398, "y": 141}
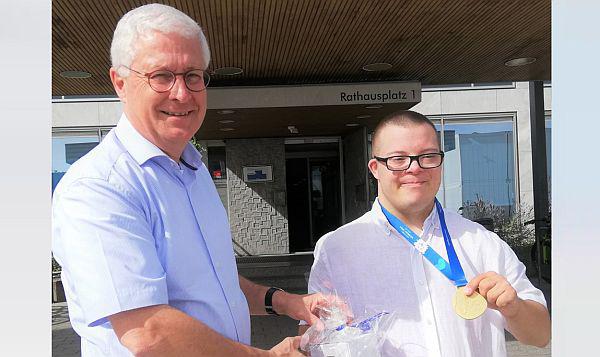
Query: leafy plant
{"x": 508, "y": 225}
{"x": 198, "y": 145}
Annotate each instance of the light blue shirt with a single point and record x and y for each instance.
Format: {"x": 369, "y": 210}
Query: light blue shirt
{"x": 133, "y": 228}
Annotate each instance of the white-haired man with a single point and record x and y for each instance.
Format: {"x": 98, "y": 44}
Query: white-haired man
{"x": 138, "y": 227}
{"x": 453, "y": 286}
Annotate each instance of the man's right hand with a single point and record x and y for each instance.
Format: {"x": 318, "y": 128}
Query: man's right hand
{"x": 163, "y": 331}
{"x": 288, "y": 348}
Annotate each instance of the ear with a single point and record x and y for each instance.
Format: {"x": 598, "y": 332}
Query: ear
{"x": 118, "y": 83}
{"x": 372, "y": 164}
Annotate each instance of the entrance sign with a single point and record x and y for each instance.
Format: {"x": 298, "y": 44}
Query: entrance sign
{"x": 382, "y": 96}
{"x": 316, "y": 95}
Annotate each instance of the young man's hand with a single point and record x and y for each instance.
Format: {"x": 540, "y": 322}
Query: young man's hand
{"x": 498, "y": 292}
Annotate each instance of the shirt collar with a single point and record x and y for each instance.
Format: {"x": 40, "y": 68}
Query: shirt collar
{"x": 431, "y": 222}
{"x": 143, "y": 150}
{"x": 191, "y": 157}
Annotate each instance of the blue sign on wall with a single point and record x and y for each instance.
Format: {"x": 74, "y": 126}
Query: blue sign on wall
{"x": 258, "y": 173}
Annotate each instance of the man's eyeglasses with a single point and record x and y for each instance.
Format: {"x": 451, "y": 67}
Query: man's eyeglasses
{"x": 401, "y": 162}
{"x": 196, "y": 80}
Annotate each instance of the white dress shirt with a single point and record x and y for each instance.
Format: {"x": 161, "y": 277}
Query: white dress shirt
{"x": 374, "y": 268}
{"x": 133, "y": 228}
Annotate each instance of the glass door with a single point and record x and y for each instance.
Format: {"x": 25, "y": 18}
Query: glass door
{"x": 313, "y": 193}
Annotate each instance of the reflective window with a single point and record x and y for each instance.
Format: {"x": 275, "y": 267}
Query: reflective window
{"x": 549, "y": 151}
{"x": 105, "y": 131}
{"x": 438, "y": 127}
{"x": 68, "y": 147}
{"x": 479, "y": 164}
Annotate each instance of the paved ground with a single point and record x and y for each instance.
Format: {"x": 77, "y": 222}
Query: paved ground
{"x": 65, "y": 342}
{"x": 266, "y": 331}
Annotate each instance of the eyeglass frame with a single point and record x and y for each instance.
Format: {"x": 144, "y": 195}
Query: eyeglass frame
{"x": 175, "y": 74}
{"x": 412, "y": 158}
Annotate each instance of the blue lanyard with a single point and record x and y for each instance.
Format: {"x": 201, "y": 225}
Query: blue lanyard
{"x": 452, "y": 271}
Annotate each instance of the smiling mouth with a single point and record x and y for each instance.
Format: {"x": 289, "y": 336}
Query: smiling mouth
{"x": 176, "y": 114}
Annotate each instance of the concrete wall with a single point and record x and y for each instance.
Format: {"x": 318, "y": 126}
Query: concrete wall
{"x": 76, "y": 114}
{"x": 258, "y": 211}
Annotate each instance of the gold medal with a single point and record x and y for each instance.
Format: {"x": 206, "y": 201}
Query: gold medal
{"x": 468, "y": 307}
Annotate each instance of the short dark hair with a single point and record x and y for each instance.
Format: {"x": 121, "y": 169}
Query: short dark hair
{"x": 402, "y": 118}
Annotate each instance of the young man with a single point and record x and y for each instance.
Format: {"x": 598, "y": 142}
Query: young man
{"x": 138, "y": 226}
{"x": 376, "y": 268}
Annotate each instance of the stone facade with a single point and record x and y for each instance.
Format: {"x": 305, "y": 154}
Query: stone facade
{"x": 258, "y": 211}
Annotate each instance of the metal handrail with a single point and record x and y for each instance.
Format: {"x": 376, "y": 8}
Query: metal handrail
{"x": 241, "y": 247}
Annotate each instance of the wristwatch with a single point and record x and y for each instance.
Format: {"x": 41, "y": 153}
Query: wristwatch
{"x": 269, "y": 300}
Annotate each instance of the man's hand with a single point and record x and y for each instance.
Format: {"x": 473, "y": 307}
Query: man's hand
{"x": 305, "y": 307}
{"x": 163, "y": 331}
{"x": 498, "y": 292}
{"x": 288, "y": 347}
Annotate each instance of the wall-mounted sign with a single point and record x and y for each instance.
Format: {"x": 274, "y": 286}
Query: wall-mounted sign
{"x": 258, "y": 173}
{"x": 315, "y": 95}
{"x": 382, "y": 96}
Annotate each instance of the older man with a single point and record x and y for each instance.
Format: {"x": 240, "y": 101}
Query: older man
{"x": 435, "y": 269}
{"x": 140, "y": 232}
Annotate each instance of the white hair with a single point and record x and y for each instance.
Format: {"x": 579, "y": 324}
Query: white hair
{"x": 142, "y": 21}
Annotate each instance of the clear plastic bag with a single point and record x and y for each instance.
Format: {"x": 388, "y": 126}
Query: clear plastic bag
{"x": 337, "y": 337}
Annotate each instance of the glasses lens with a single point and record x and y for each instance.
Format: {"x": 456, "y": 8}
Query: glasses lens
{"x": 196, "y": 80}
{"x": 430, "y": 160}
{"x": 398, "y": 162}
{"x": 161, "y": 81}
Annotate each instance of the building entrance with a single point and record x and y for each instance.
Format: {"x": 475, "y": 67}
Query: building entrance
{"x": 314, "y": 197}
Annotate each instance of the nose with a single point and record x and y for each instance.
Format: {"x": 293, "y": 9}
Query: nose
{"x": 179, "y": 91}
{"x": 413, "y": 167}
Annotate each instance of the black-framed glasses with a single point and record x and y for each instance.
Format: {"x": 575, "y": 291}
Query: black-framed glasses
{"x": 403, "y": 162}
{"x": 196, "y": 80}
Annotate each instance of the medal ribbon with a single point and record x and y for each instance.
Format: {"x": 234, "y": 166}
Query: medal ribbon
{"x": 452, "y": 270}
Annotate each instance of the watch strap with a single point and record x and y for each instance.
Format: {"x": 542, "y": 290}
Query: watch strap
{"x": 269, "y": 300}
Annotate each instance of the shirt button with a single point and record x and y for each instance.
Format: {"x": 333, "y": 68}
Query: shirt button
{"x": 233, "y": 304}
{"x": 218, "y": 265}
{"x": 421, "y": 282}
{"x": 429, "y": 322}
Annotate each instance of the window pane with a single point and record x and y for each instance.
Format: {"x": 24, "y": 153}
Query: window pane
{"x": 66, "y": 149}
{"x": 479, "y": 164}
{"x": 216, "y": 162}
{"x": 218, "y": 171}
